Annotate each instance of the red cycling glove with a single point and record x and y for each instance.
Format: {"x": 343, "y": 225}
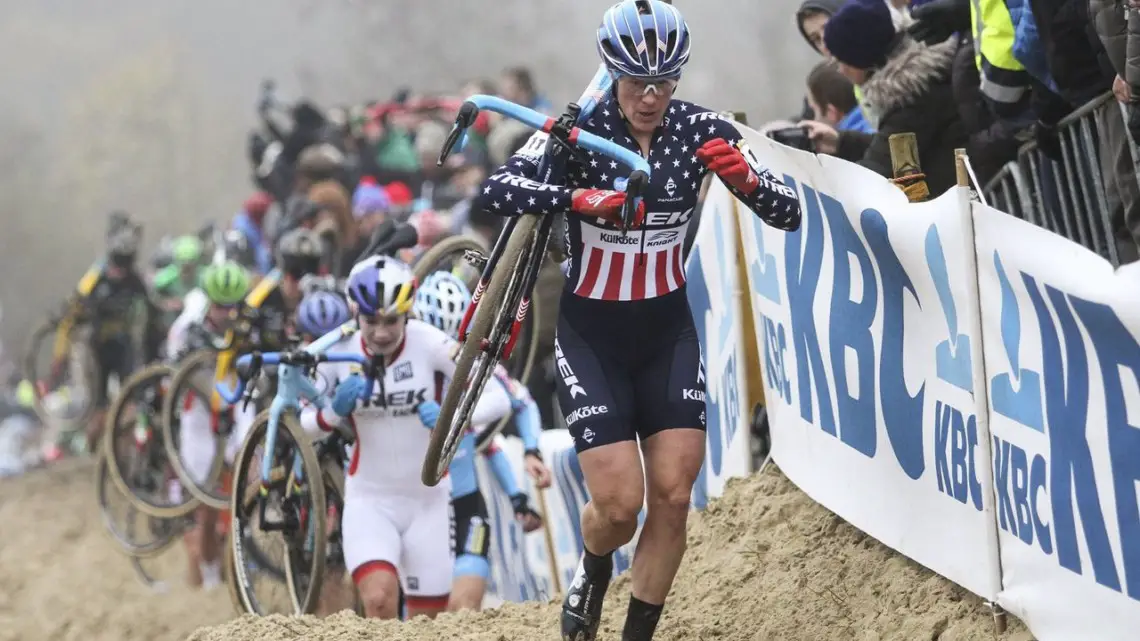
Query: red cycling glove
{"x": 606, "y": 204}
{"x": 729, "y": 164}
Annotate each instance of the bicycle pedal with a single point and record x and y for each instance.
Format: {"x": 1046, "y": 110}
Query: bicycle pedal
{"x": 475, "y": 258}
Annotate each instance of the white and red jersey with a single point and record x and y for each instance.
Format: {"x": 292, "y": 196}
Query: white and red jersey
{"x": 647, "y": 262}
{"x": 391, "y": 442}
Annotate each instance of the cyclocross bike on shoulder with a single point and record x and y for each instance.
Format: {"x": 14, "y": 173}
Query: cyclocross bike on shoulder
{"x": 501, "y": 299}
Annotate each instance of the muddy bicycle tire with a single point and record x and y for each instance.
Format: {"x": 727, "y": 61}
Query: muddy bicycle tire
{"x": 163, "y": 511}
{"x": 170, "y": 413}
{"x": 90, "y": 366}
{"x": 302, "y": 603}
{"x": 103, "y": 486}
{"x": 447, "y": 433}
{"x": 527, "y": 350}
{"x": 445, "y": 247}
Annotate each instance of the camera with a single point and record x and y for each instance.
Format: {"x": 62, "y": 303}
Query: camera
{"x": 795, "y": 137}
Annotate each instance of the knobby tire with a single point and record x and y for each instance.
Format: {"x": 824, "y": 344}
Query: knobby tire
{"x": 447, "y": 433}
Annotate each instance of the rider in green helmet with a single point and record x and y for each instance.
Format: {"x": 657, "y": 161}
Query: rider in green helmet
{"x": 225, "y": 284}
{"x": 173, "y": 282}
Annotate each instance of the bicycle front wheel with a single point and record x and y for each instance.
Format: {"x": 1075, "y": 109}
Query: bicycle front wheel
{"x": 479, "y": 353}
{"x": 296, "y": 501}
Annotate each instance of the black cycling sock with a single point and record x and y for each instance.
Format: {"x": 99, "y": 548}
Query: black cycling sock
{"x": 594, "y": 563}
{"x": 641, "y": 620}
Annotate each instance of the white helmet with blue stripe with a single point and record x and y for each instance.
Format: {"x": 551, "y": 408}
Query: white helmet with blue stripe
{"x": 644, "y": 39}
{"x": 442, "y": 301}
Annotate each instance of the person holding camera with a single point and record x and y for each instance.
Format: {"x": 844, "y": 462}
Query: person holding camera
{"x": 906, "y": 87}
{"x": 832, "y": 99}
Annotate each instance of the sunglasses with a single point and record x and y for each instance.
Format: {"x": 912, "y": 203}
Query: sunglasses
{"x": 643, "y": 86}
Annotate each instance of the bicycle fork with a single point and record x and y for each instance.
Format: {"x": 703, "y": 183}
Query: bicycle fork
{"x": 532, "y": 269}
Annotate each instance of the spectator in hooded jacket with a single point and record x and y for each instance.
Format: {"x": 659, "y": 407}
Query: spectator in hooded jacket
{"x": 906, "y": 88}
{"x": 811, "y": 18}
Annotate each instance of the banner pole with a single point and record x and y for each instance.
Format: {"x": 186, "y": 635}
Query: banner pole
{"x": 963, "y": 178}
{"x": 555, "y": 580}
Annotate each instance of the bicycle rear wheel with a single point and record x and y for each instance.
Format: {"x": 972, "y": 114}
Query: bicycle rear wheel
{"x": 64, "y": 404}
{"x": 300, "y": 504}
{"x": 479, "y": 353}
{"x": 136, "y": 534}
{"x": 137, "y": 460}
{"x": 195, "y": 375}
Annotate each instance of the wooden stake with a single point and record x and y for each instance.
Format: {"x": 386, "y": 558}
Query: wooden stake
{"x": 904, "y": 155}
{"x": 960, "y": 167}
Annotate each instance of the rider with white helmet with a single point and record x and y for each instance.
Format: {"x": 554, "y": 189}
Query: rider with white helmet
{"x": 625, "y": 330}
{"x": 396, "y": 530}
{"x": 442, "y": 301}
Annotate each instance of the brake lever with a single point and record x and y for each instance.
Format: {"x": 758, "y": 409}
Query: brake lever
{"x": 254, "y": 372}
{"x": 468, "y": 112}
{"x": 633, "y": 187}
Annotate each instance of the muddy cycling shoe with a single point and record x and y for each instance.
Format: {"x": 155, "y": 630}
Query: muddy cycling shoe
{"x": 582, "y": 607}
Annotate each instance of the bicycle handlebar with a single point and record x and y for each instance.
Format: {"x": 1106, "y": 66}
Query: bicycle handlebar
{"x": 300, "y": 358}
{"x": 634, "y": 186}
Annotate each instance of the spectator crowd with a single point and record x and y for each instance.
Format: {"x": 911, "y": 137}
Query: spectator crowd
{"x": 1001, "y": 78}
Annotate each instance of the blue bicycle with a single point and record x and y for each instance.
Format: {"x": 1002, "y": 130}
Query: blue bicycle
{"x": 500, "y": 301}
{"x": 291, "y": 495}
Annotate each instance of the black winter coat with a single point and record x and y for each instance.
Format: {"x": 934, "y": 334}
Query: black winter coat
{"x": 913, "y": 93}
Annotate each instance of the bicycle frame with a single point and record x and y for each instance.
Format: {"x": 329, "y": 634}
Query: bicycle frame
{"x": 565, "y": 131}
{"x": 293, "y": 385}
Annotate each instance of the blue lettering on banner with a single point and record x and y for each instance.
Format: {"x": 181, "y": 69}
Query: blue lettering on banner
{"x": 1066, "y": 477}
{"x": 955, "y": 437}
{"x": 775, "y": 365}
{"x": 851, "y": 415}
{"x": 722, "y": 402}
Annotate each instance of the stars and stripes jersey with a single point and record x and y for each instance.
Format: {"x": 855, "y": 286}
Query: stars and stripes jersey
{"x": 647, "y": 262}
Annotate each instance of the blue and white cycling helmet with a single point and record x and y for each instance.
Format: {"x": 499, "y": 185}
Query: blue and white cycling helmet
{"x": 320, "y": 312}
{"x": 381, "y": 285}
{"x": 644, "y": 39}
{"x": 442, "y": 300}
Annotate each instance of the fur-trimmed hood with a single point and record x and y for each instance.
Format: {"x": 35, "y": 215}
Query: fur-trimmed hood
{"x": 910, "y": 71}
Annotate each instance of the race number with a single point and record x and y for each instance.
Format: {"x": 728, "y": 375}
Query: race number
{"x": 534, "y": 146}
{"x": 750, "y": 157}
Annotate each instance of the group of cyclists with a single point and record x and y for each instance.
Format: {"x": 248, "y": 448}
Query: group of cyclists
{"x": 630, "y": 375}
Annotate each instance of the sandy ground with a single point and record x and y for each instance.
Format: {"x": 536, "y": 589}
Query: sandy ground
{"x": 764, "y": 562}
{"x": 62, "y": 579}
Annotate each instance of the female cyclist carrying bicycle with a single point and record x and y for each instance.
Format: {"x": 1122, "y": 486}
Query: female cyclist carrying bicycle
{"x": 442, "y": 301}
{"x": 396, "y": 530}
{"x": 629, "y": 360}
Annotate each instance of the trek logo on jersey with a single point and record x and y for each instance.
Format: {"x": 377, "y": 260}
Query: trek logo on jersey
{"x": 402, "y": 372}
{"x": 566, "y": 373}
{"x": 693, "y": 395}
{"x": 619, "y": 239}
{"x": 525, "y": 183}
{"x": 401, "y": 403}
{"x": 586, "y": 412}
{"x": 667, "y": 218}
{"x": 707, "y": 115}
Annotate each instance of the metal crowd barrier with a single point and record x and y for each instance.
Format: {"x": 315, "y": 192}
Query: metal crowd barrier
{"x": 1069, "y": 197}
